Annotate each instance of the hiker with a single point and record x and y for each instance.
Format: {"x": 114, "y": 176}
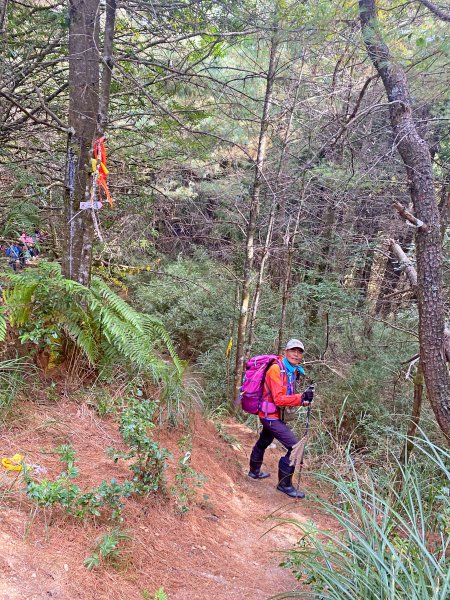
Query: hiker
{"x": 13, "y": 253}
{"x": 26, "y": 239}
{"x": 23, "y": 254}
{"x": 279, "y": 392}
{"x": 37, "y": 239}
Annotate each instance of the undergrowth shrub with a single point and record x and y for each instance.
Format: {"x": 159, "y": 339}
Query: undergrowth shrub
{"x": 187, "y": 480}
{"x": 390, "y": 543}
{"x": 193, "y": 297}
{"x": 136, "y": 424}
{"x": 105, "y": 499}
{"x": 107, "y": 550}
{"x": 160, "y": 594}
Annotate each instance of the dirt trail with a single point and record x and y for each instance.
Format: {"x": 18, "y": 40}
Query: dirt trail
{"x": 215, "y": 551}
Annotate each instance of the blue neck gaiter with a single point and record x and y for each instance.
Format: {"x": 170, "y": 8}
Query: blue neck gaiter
{"x": 291, "y": 373}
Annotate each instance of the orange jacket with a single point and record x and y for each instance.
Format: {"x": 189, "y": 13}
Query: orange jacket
{"x": 275, "y": 390}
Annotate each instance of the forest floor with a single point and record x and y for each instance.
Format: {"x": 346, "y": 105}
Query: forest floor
{"x": 225, "y": 547}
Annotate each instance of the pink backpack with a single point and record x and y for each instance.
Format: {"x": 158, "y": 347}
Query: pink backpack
{"x": 251, "y": 394}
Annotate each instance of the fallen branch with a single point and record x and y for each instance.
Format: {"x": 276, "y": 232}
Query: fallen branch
{"x": 404, "y": 263}
{"x": 411, "y": 273}
{"x": 410, "y": 217}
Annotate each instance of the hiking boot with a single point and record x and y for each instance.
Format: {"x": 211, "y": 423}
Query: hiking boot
{"x": 285, "y": 485}
{"x": 255, "y": 470}
{"x": 291, "y": 491}
{"x": 258, "y": 474}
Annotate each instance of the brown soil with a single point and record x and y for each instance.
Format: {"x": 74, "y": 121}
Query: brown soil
{"x": 223, "y": 548}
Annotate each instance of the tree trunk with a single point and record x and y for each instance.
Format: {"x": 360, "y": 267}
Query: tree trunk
{"x": 415, "y": 415}
{"x": 253, "y": 213}
{"x": 287, "y": 280}
{"x": 323, "y": 263}
{"x": 406, "y": 265}
{"x": 3, "y": 6}
{"x": 83, "y": 115}
{"x": 416, "y": 157}
{"x": 108, "y": 64}
{"x": 279, "y": 257}
{"x": 265, "y": 256}
{"x": 276, "y": 206}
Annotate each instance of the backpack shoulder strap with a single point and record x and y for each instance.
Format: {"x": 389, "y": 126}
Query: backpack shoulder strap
{"x": 278, "y": 362}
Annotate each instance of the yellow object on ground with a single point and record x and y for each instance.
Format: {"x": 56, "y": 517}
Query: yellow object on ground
{"x": 14, "y": 463}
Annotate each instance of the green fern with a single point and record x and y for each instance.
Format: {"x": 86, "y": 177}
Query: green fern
{"x": 23, "y": 216}
{"x": 47, "y": 307}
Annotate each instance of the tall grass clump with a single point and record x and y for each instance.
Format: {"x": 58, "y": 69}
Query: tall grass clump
{"x": 12, "y": 381}
{"x": 388, "y": 544}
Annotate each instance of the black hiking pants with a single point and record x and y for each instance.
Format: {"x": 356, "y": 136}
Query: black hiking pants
{"x": 274, "y": 429}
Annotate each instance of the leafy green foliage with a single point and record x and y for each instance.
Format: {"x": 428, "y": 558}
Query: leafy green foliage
{"x": 194, "y": 297}
{"x": 2, "y": 323}
{"x": 160, "y": 594}
{"x": 186, "y": 478}
{"x": 48, "y": 309}
{"x": 150, "y": 459}
{"x": 22, "y": 216}
{"x": 63, "y": 492}
{"x": 107, "y": 549}
{"x": 391, "y": 543}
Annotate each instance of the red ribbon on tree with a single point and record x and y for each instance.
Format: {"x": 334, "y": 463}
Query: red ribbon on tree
{"x": 100, "y": 156}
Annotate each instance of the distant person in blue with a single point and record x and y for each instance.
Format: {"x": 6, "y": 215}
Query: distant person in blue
{"x": 13, "y": 253}
{"x": 24, "y": 254}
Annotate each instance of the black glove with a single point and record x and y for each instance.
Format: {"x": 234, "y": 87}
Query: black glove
{"x": 308, "y": 395}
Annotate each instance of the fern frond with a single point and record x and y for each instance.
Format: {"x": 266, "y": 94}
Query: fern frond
{"x": 80, "y": 328}
{"x": 122, "y": 309}
{"x": 96, "y": 319}
{"x": 153, "y": 327}
{"x": 18, "y": 300}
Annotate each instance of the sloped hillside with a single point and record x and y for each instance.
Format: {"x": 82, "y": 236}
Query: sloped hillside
{"x": 222, "y": 548}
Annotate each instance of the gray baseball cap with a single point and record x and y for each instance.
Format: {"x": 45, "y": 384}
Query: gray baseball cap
{"x": 293, "y": 343}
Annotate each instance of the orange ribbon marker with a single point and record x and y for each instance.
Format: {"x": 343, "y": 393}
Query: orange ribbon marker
{"x": 100, "y": 155}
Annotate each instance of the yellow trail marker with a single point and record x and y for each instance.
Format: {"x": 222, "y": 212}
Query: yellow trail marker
{"x": 14, "y": 463}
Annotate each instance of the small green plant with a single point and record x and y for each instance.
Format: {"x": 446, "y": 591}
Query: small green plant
{"x": 160, "y": 594}
{"x": 107, "y": 497}
{"x": 150, "y": 459}
{"x": 62, "y": 491}
{"x": 231, "y": 440}
{"x": 186, "y": 478}
{"x": 107, "y": 549}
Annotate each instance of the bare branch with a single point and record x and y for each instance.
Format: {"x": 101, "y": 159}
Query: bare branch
{"x": 409, "y": 216}
{"x": 441, "y": 14}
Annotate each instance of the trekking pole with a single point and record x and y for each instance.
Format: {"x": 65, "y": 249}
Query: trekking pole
{"x": 303, "y": 441}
